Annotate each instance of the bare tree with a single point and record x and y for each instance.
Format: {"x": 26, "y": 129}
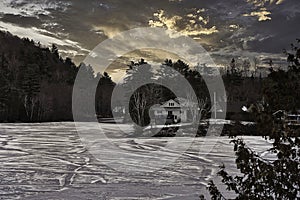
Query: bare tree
{"x": 256, "y": 63}
{"x": 140, "y": 93}
{"x": 197, "y": 106}
{"x": 246, "y": 67}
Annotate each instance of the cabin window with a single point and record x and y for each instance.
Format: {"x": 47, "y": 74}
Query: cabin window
{"x": 171, "y": 104}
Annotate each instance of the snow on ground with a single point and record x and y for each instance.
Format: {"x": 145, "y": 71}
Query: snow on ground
{"x": 49, "y": 161}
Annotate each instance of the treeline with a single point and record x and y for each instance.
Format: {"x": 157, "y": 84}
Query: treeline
{"x": 279, "y": 90}
{"x": 241, "y": 90}
{"x": 36, "y": 83}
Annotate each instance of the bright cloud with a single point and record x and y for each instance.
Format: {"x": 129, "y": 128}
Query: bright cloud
{"x": 191, "y": 25}
{"x": 31, "y": 8}
{"x": 162, "y": 20}
{"x": 262, "y": 14}
{"x": 40, "y": 35}
{"x": 261, "y": 3}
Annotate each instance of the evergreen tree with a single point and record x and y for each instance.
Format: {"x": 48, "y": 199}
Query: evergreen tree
{"x": 4, "y": 92}
{"x": 103, "y": 95}
{"x": 54, "y": 50}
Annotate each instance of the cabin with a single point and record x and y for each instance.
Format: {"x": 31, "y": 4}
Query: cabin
{"x": 172, "y": 111}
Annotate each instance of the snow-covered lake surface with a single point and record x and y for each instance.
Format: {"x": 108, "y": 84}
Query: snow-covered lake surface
{"x": 49, "y": 161}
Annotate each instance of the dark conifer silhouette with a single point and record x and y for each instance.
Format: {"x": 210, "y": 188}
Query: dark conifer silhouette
{"x": 36, "y": 83}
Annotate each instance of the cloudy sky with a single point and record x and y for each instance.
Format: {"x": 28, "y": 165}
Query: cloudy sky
{"x": 233, "y": 28}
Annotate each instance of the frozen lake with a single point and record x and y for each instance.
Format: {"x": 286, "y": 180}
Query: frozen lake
{"x": 49, "y": 161}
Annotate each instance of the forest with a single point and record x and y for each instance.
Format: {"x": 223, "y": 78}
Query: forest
{"x": 36, "y": 84}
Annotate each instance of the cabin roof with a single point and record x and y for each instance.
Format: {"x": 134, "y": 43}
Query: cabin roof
{"x": 181, "y": 103}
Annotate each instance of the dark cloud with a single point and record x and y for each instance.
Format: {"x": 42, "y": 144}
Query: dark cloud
{"x": 26, "y": 21}
{"x": 278, "y": 33}
{"x": 225, "y": 28}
